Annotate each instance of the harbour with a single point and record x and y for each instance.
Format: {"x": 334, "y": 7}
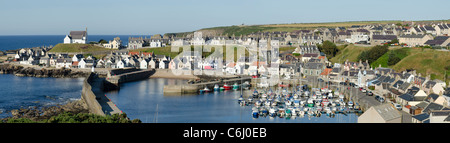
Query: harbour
{"x": 145, "y": 100}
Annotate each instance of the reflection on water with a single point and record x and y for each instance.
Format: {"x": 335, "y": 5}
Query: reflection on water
{"x": 145, "y": 100}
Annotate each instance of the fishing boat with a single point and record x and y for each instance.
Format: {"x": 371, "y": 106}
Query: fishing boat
{"x": 272, "y": 112}
{"x": 297, "y": 103}
{"x": 264, "y": 111}
{"x": 325, "y": 102}
{"x": 206, "y": 89}
{"x": 350, "y": 104}
{"x": 246, "y": 85}
{"x": 283, "y": 85}
{"x": 240, "y": 99}
{"x": 227, "y": 87}
{"x": 201, "y": 91}
{"x": 310, "y": 102}
{"x": 221, "y": 89}
{"x": 216, "y": 87}
{"x": 255, "y": 112}
{"x": 258, "y": 103}
{"x": 235, "y": 86}
{"x": 255, "y": 94}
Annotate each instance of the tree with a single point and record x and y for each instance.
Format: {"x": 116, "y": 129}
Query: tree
{"x": 373, "y": 54}
{"x": 393, "y": 41}
{"x": 329, "y": 48}
{"x": 102, "y": 41}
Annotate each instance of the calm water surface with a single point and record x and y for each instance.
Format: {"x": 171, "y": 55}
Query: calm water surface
{"x": 25, "y": 92}
{"x": 145, "y": 100}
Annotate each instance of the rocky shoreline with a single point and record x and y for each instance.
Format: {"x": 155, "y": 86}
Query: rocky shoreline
{"x": 36, "y": 114}
{"x": 43, "y": 72}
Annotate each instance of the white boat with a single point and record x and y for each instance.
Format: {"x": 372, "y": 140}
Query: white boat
{"x": 350, "y": 104}
{"x": 264, "y": 96}
{"x": 272, "y": 112}
{"x": 325, "y": 102}
{"x": 274, "y": 103}
{"x": 206, "y": 89}
{"x": 301, "y": 113}
{"x": 317, "y": 103}
{"x": 216, "y": 87}
{"x": 306, "y": 93}
{"x": 330, "y": 95}
{"x": 297, "y": 103}
{"x": 267, "y": 103}
{"x": 293, "y": 111}
{"x": 258, "y": 103}
{"x": 263, "y": 85}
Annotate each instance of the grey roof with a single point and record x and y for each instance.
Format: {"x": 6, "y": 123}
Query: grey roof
{"x": 387, "y": 112}
{"x": 384, "y": 37}
{"x": 398, "y": 83}
{"x": 77, "y": 34}
{"x": 432, "y": 96}
{"x": 407, "y": 97}
{"x": 422, "y": 104}
{"x": 421, "y": 117}
{"x": 432, "y": 106}
{"x": 314, "y": 65}
{"x": 412, "y": 36}
{"x": 440, "y": 113}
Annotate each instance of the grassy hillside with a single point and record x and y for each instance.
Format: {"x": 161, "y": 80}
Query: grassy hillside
{"x": 350, "y": 52}
{"x": 247, "y": 29}
{"x": 73, "y": 48}
{"x": 383, "y": 60}
{"x": 427, "y": 62}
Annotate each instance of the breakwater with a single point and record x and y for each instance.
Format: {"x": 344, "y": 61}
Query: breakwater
{"x": 117, "y": 76}
{"x": 94, "y": 97}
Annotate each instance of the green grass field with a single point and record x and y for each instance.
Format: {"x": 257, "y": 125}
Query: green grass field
{"x": 350, "y": 52}
{"x": 74, "y": 48}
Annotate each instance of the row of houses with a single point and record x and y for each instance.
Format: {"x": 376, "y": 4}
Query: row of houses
{"x": 426, "y": 100}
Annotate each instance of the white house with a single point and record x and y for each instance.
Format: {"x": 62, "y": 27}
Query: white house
{"x": 198, "y": 39}
{"x": 143, "y": 64}
{"x": 120, "y": 64}
{"x": 152, "y": 64}
{"x": 155, "y": 43}
{"x": 76, "y": 37}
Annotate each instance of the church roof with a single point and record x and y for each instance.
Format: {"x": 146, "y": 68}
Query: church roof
{"x": 77, "y": 34}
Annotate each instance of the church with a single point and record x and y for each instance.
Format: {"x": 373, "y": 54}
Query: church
{"x": 76, "y": 37}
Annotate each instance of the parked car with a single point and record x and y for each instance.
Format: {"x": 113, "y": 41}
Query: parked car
{"x": 369, "y": 93}
{"x": 379, "y": 98}
{"x": 363, "y": 90}
{"x": 398, "y": 106}
{"x": 351, "y": 84}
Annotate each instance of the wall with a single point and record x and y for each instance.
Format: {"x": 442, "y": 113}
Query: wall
{"x": 89, "y": 97}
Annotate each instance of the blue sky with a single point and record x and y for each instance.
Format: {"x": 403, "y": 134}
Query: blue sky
{"x": 147, "y": 17}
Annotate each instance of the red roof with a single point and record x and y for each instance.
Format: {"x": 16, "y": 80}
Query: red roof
{"x": 326, "y": 71}
{"x": 75, "y": 63}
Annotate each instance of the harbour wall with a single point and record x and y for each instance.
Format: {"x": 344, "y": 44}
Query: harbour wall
{"x": 88, "y": 96}
{"x": 118, "y": 76}
{"x": 194, "y": 88}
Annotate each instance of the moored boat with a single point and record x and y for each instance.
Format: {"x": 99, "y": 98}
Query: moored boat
{"x": 235, "y": 86}
{"x": 216, "y": 87}
{"x": 227, "y": 87}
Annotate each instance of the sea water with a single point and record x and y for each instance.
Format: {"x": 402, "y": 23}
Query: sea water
{"x": 28, "y": 92}
{"x": 30, "y": 41}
